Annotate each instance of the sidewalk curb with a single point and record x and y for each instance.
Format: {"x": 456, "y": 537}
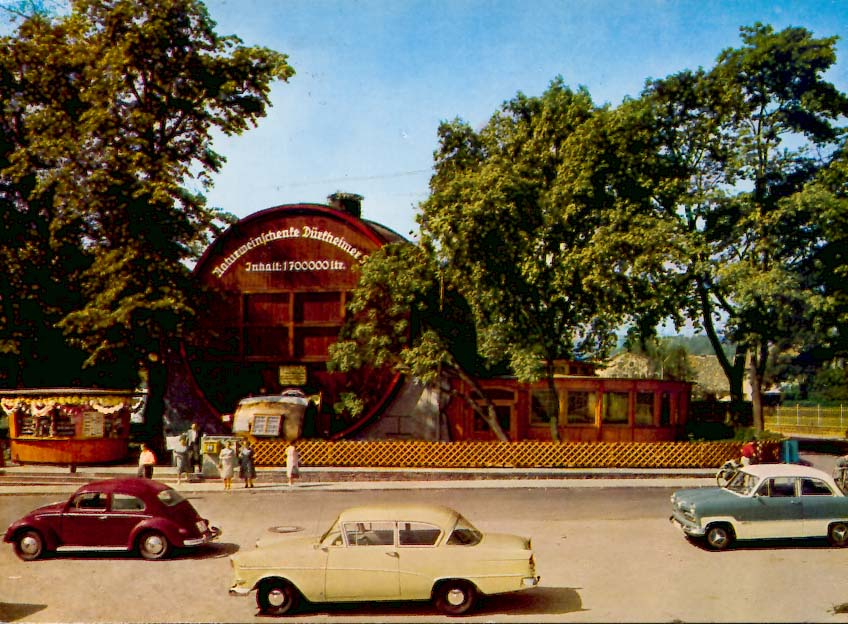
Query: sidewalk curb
{"x": 59, "y": 479}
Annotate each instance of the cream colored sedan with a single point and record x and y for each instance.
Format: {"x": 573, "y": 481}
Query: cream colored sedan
{"x": 387, "y": 552}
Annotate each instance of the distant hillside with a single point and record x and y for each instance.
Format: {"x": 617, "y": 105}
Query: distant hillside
{"x": 697, "y": 344}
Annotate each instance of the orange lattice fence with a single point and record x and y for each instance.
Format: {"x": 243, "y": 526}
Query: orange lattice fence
{"x": 526, "y": 454}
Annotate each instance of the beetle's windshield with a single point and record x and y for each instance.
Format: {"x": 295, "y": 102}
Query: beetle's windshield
{"x": 742, "y": 483}
{"x": 464, "y": 534}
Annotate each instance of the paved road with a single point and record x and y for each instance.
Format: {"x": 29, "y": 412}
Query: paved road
{"x": 605, "y": 554}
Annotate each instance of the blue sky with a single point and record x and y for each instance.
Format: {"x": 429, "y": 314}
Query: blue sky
{"x": 375, "y": 78}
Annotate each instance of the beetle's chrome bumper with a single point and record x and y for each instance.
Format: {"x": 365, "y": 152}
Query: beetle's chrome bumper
{"x": 235, "y": 590}
{"x": 212, "y": 534}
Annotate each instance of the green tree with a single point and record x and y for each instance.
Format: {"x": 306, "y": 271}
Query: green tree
{"x": 404, "y": 316}
{"x": 737, "y": 141}
{"x": 105, "y": 149}
{"x": 539, "y": 223}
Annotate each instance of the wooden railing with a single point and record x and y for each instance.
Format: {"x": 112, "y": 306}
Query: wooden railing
{"x": 526, "y": 454}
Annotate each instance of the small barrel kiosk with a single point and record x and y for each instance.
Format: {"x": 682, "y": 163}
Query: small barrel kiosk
{"x": 271, "y": 416}
{"x": 68, "y": 426}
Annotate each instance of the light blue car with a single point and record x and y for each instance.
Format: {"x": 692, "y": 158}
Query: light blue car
{"x": 764, "y": 501}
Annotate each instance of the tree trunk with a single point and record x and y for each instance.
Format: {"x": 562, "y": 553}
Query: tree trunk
{"x": 734, "y": 372}
{"x": 554, "y": 422}
{"x": 756, "y": 371}
{"x": 736, "y": 375}
{"x": 155, "y": 408}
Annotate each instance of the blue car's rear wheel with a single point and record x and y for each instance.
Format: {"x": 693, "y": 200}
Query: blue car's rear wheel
{"x": 837, "y": 534}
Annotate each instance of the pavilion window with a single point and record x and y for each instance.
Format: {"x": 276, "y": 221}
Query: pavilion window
{"x": 644, "y": 415}
{"x": 581, "y": 407}
{"x": 616, "y": 408}
{"x": 543, "y": 406}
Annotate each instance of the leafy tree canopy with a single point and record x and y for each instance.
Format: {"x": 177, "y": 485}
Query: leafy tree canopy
{"x": 105, "y": 147}
{"x": 740, "y": 144}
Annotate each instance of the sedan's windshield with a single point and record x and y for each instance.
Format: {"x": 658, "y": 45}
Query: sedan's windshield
{"x": 333, "y": 535}
{"x": 742, "y": 483}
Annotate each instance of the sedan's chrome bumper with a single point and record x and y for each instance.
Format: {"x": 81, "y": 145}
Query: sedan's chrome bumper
{"x": 235, "y": 590}
{"x": 530, "y": 581}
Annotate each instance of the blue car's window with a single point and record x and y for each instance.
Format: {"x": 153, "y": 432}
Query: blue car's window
{"x": 170, "y": 497}
{"x": 815, "y": 487}
{"x": 778, "y": 487}
{"x": 125, "y": 502}
{"x": 742, "y": 483}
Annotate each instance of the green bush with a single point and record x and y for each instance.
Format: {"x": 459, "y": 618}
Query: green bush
{"x": 709, "y": 431}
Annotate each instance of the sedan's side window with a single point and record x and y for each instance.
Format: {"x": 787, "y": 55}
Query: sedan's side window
{"x": 370, "y": 533}
{"x": 815, "y": 487}
{"x": 125, "y": 502}
{"x": 90, "y": 500}
{"x": 417, "y": 534}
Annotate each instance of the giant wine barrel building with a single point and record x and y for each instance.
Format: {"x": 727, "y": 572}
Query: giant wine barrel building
{"x": 278, "y": 283}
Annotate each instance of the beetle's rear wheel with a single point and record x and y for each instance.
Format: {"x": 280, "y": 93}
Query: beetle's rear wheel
{"x": 29, "y": 545}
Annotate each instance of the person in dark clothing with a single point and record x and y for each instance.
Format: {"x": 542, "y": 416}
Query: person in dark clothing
{"x": 195, "y": 456}
{"x": 247, "y": 470}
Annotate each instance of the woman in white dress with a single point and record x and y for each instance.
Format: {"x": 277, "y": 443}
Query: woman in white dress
{"x": 227, "y": 464}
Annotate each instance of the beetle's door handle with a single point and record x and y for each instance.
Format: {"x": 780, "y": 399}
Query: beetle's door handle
{"x": 393, "y": 553}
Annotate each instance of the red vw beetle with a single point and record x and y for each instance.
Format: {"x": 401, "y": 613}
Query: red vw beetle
{"x": 112, "y": 515}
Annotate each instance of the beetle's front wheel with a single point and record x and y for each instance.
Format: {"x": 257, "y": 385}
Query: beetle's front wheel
{"x": 153, "y": 545}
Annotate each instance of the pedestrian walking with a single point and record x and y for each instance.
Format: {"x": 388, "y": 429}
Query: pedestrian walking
{"x": 292, "y": 462}
{"x": 146, "y": 461}
{"x": 247, "y": 470}
{"x": 227, "y": 464}
{"x": 181, "y": 457}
